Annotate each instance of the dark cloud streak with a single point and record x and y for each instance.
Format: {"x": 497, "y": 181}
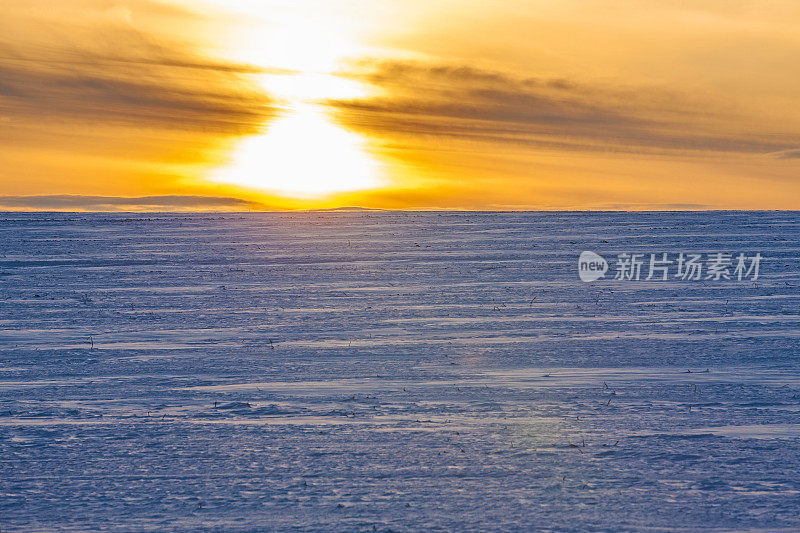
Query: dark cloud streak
{"x": 81, "y": 63}
{"x": 471, "y": 103}
{"x": 789, "y": 154}
{"x": 140, "y": 98}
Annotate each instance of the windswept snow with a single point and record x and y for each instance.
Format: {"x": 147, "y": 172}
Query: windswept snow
{"x": 394, "y": 370}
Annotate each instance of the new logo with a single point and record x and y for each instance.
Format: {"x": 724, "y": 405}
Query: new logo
{"x": 591, "y": 266}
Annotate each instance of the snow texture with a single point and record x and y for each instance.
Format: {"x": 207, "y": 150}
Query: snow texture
{"x": 394, "y": 371}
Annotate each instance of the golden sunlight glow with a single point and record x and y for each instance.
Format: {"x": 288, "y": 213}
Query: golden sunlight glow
{"x": 294, "y": 36}
{"x": 401, "y": 104}
{"x": 303, "y": 154}
{"x": 310, "y": 86}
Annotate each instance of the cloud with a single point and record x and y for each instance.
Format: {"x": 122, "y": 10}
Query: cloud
{"x": 122, "y": 97}
{"x": 788, "y": 154}
{"x": 118, "y": 96}
{"x": 467, "y": 102}
{"x": 96, "y": 66}
{"x": 61, "y": 202}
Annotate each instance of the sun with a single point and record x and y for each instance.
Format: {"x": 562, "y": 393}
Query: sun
{"x": 302, "y": 153}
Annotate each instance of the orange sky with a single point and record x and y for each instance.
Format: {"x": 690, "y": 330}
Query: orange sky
{"x": 246, "y": 104}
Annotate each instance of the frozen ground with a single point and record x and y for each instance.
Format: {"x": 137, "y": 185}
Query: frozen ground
{"x": 394, "y": 371}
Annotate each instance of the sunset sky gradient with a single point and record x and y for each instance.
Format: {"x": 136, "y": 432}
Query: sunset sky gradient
{"x": 245, "y": 104}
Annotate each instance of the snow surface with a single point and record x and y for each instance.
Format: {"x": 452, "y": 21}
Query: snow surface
{"x": 394, "y": 371}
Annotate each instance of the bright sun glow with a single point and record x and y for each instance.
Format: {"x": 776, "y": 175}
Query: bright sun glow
{"x": 302, "y": 153}
{"x": 311, "y": 86}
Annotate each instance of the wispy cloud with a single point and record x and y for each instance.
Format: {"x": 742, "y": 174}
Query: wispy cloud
{"x": 116, "y": 96}
{"x": 788, "y": 154}
{"x": 129, "y": 94}
{"x": 98, "y": 66}
{"x": 468, "y": 102}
